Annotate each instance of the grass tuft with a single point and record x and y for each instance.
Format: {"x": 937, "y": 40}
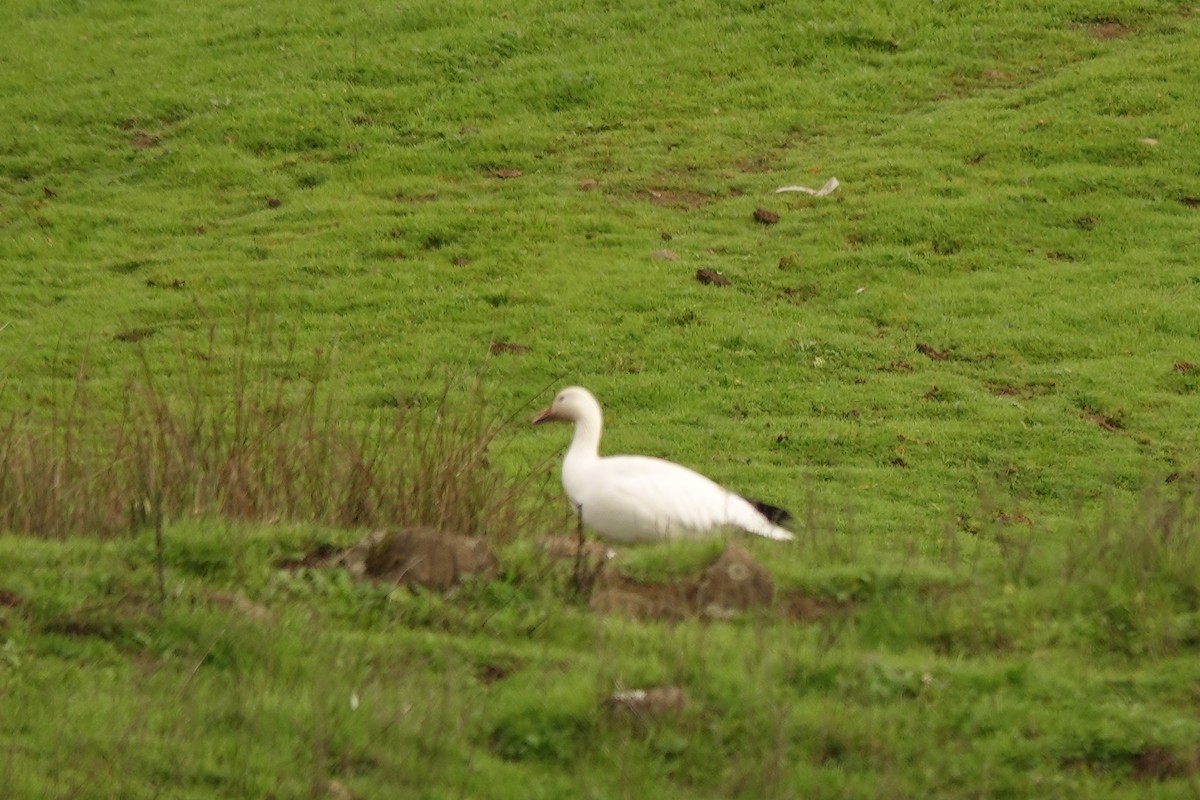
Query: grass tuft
{"x": 264, "y": 440}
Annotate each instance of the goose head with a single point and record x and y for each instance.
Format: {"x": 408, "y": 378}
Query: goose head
{"x": 572, "y": 404}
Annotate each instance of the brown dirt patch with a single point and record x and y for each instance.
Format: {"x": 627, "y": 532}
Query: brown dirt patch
{"x": 1024, "y": 391}
{"x": 809, "y": 608}
{"x": 931, "y": 352}
{"x": 765, "y": 216}
{"x": 897, "y": 366}
{"x": 144, "y": 140}
{"x": 10, "y": 599}
{"x": 755, "y": 164}
{"x": 166, "y": 283}
{"x": 1113, "y": 423}
{"x": 134, "y": 334}
{"x": 1014, "y": 518}
{"x": 613, "y": 593}
{"x": 735, "y": 582}
{"x": 492, "y": 671}
{"x": 1106, "y": 29}
{"x": 511, "y": 348}
{"x": 1158, "y": 763}
{"x": 710, "y": 277}
{"x": 424, "y": 557}
{"x": 800, "y": 294}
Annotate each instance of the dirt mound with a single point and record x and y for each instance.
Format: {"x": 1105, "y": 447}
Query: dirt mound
{"x": 424, "y": 557}
{"x": 733, "y": 583}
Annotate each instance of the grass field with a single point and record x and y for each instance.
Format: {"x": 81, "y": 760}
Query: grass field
{"x": 277, "y": 273}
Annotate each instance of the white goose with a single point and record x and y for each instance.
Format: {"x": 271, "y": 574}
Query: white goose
{"x": 638, "y": 499}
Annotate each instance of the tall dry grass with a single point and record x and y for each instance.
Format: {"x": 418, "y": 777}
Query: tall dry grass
{"x": 254, "y": 442}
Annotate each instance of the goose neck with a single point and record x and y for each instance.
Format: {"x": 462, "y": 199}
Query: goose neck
{"x": 586, "y": 441}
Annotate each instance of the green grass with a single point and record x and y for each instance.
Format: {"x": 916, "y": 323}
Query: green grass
{"x": 970, "y": 373}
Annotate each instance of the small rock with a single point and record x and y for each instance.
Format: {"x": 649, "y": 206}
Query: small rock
{"x": 507, "y": 174}
{"x": 664, "y": 255}
{"x": 587, "y": 184}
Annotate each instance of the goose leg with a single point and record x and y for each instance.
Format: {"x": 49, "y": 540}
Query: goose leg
{"x": 578, "y": 578}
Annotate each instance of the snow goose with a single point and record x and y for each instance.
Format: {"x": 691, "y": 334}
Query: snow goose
{"x": 638, "y": 499}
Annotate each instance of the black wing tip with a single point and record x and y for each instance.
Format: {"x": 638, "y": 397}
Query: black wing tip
{"x": 775, "y": 514}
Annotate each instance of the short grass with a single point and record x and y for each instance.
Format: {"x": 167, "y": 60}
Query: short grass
{"x": 971, "y": 373}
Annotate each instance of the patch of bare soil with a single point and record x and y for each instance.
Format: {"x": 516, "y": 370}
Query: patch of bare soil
{"x": 1160, "y": 763}
{"x": 1106, "y": 29}
{"x": 511, "y": 348}
{"x": 613, "y": 593}
{"x": 733, "y": 583}
{"x": 424, "y": 557}
{"x": 144, "y": 140}
{"x": 710, "y": 277}
{"x": 800, "y": 294}
{"x": 1024, "y": 391}
{"x": 932, "y": 352}
{"x": 1113, "y": 423}
{"x": 808, "y": 608}
{"x": 755, "y": 164}
{"x": 765, "y": 216}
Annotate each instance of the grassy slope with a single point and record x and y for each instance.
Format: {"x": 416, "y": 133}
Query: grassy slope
{"x": 334, "y": 168}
